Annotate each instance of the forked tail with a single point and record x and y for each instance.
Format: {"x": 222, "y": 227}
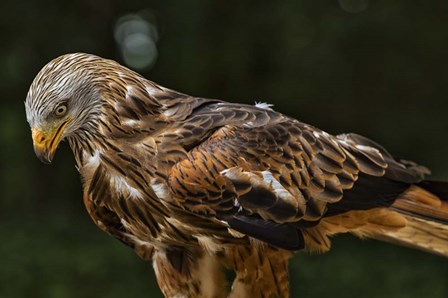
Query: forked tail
{"x": 418, "y": 218}
{"x": 425, "y": 208}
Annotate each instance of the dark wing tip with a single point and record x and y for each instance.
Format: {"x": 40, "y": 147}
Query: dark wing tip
{"x": 283, "y": 236}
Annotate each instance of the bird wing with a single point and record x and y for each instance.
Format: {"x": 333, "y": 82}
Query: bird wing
{"x": 266, "y": 177}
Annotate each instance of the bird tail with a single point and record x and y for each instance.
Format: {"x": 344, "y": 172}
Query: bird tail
{"x": 425, "y": 209}
{"x": 418, "y": 219}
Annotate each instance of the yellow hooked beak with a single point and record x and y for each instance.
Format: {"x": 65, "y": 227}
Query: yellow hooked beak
{"x": 46, "y": 142}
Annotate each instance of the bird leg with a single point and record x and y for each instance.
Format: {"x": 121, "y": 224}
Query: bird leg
{"x": 184, "y": 272}
{"x": 260, "y": 272}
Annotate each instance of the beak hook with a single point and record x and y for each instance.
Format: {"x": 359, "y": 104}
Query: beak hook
{"x": 45, "y": 145}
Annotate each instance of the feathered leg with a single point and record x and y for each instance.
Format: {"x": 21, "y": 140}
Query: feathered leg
{"x": 260, "y": 272}
{"x": 183, "y": 273}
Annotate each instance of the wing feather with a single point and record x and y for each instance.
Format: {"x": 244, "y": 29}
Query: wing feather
{"x": 263, "y": 167}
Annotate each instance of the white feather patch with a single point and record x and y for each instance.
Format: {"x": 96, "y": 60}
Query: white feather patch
{"x": 92, "y": 161}
{"x": 264, "y": 105}
{"x": 130, "y": 122}
{"x": 160, "y": 189}
{"x": 122, "y": 186}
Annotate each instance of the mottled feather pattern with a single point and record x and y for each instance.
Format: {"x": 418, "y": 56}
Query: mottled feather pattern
{"x": 301, "y": 167}
{"x": 197, "y": 185}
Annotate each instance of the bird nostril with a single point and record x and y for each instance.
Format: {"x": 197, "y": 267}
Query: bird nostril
{"x": 38, "y": 136}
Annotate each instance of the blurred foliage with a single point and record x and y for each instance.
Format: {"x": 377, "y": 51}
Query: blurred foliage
{"x": 378, "y": 68}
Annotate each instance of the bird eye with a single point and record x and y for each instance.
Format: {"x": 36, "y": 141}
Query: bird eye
{"x": 61, "y": 110}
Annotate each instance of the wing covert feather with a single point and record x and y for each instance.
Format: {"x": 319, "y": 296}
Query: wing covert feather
{"x": 278, "y": 169}
{"x": 257, "y": 170}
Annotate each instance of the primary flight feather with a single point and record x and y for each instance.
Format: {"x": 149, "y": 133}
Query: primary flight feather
{"x": 197, "y": 185}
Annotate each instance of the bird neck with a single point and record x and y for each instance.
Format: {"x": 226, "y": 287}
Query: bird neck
{"x": 86, "y": 143}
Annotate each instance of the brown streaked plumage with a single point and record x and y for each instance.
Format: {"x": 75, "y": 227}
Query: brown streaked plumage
{"x": 197, "y": 185}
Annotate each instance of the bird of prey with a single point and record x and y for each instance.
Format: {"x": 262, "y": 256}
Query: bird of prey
{"x": 199, "y": 186}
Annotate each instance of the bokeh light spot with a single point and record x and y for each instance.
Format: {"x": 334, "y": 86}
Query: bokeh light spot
{"x": 137, "y": 39}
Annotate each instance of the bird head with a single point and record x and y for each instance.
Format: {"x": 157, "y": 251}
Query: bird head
{"x": 62, "y": 99}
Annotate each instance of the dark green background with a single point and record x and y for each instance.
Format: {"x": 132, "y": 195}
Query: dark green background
{"x": 381, "y": 72}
